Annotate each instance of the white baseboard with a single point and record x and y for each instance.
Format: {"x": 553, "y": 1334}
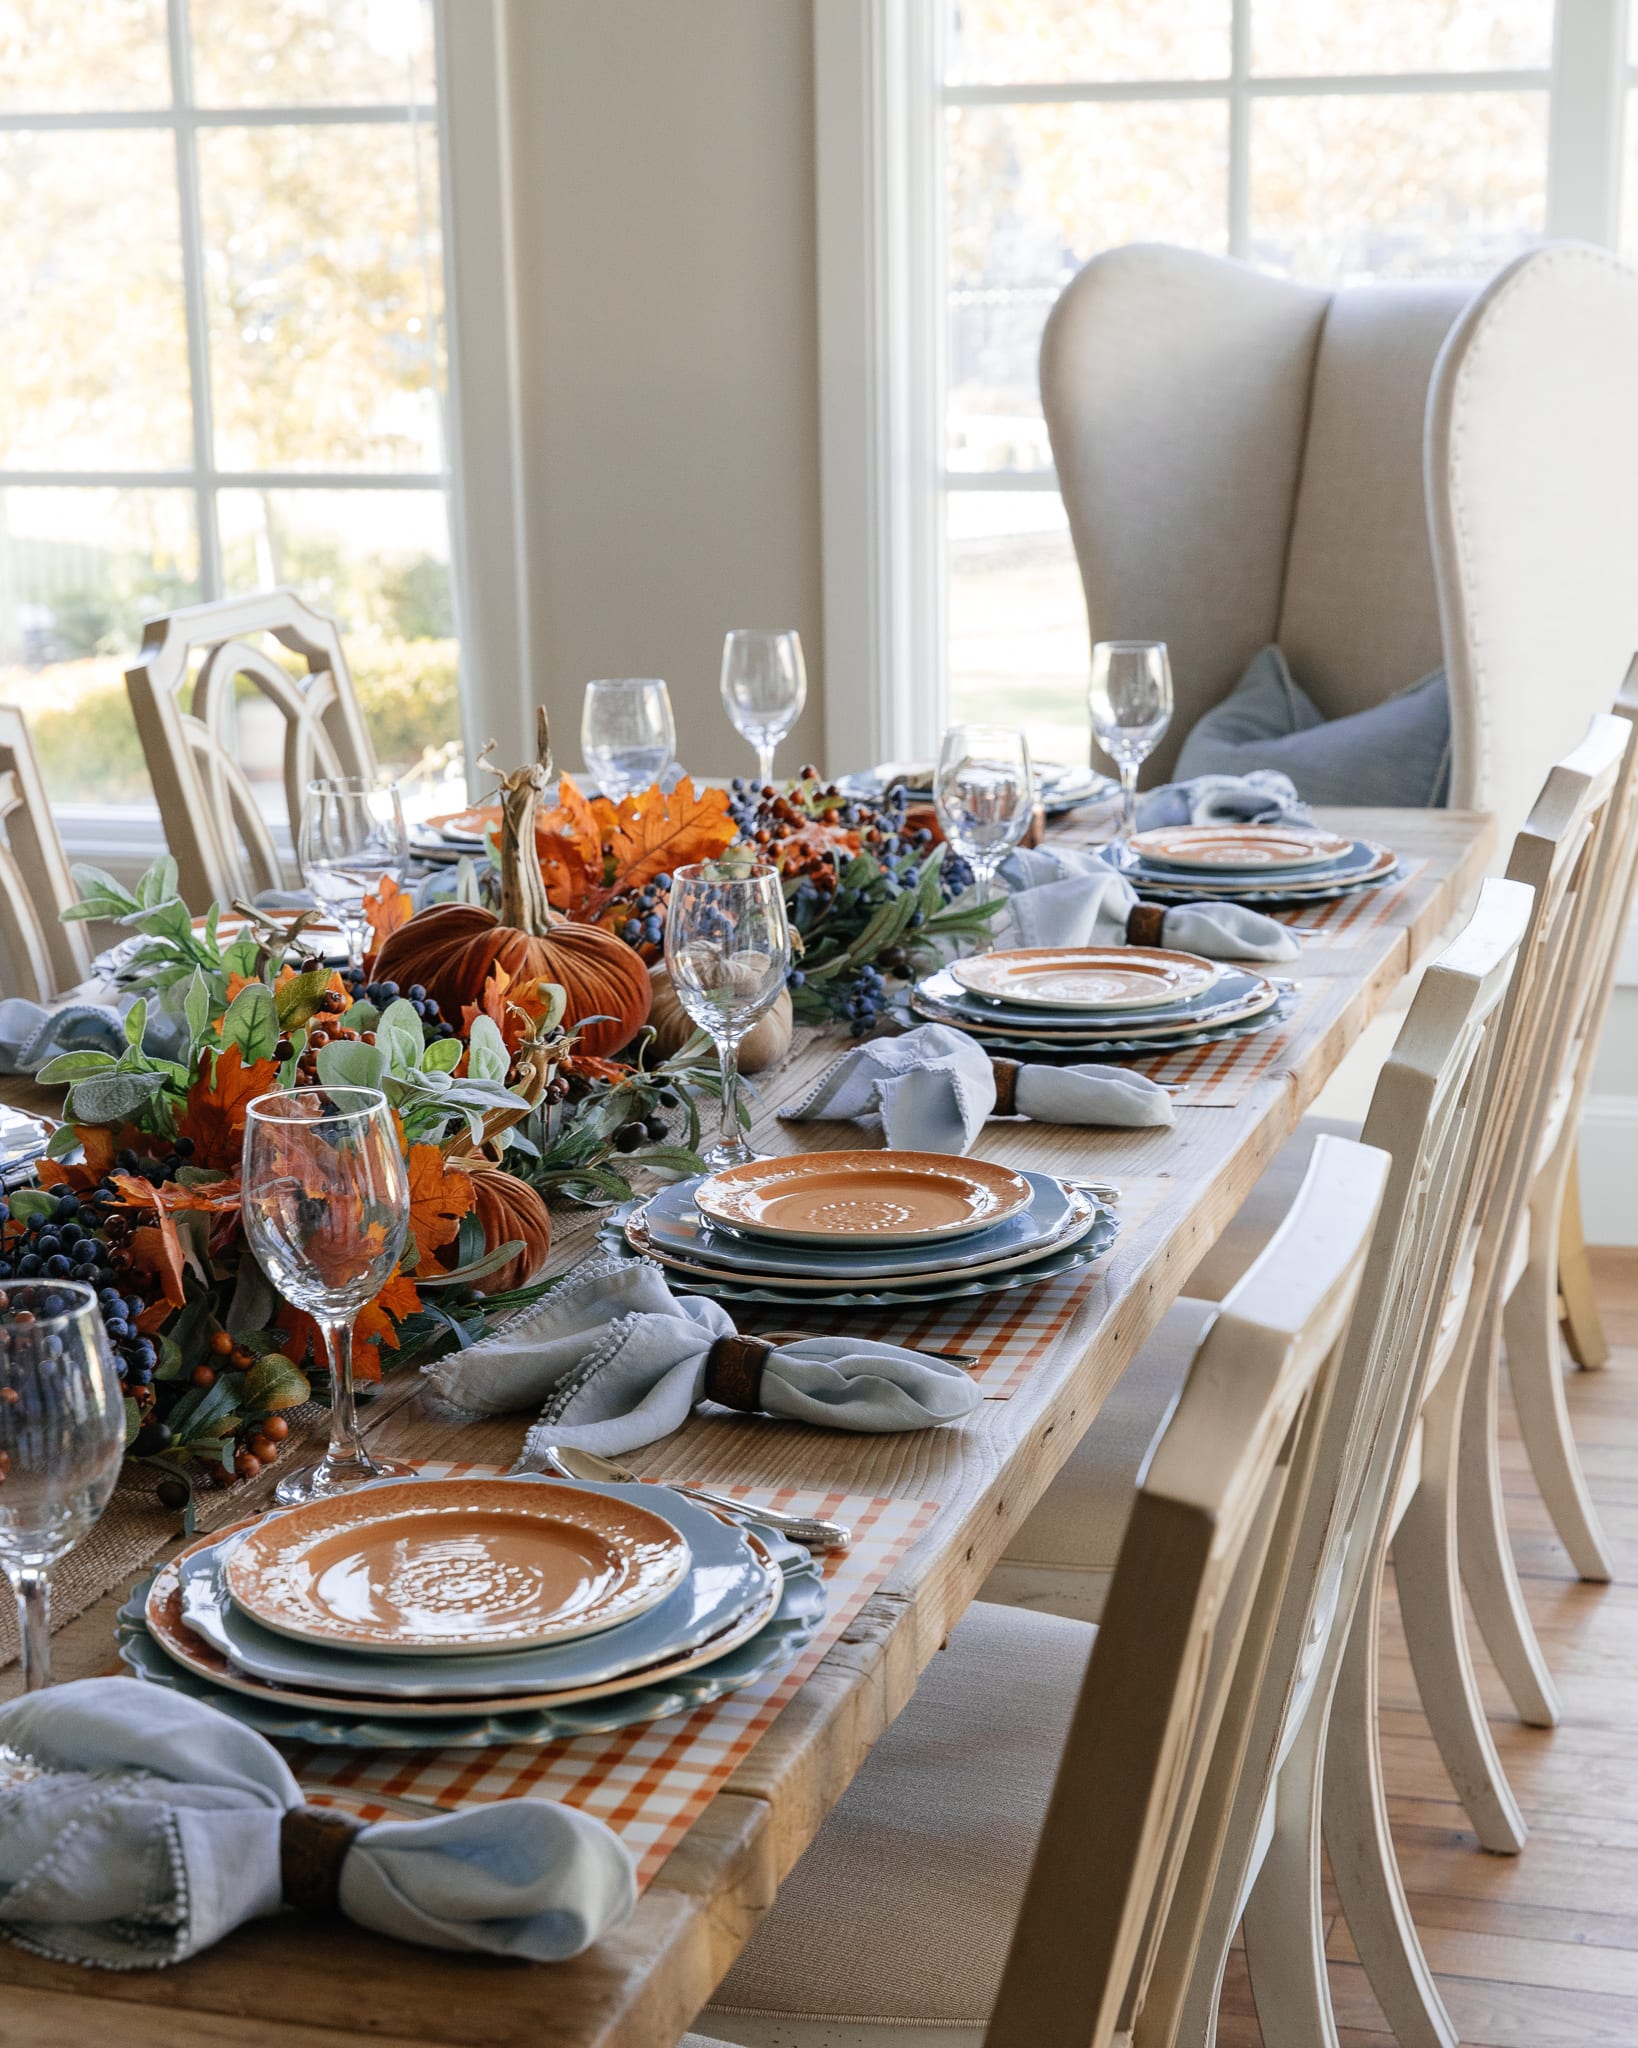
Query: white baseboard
{"x": 1609, "y": 1169}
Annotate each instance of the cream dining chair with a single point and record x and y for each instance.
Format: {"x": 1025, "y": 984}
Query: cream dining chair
{"x": 43, "y": 956}
{"x": 1008, "y": 1858}
{"x": 183, "y": 687}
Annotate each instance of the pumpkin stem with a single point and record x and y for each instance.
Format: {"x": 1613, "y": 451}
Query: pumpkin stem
{"x": 524, "y": 905}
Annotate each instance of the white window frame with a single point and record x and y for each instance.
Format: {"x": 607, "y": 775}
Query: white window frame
{"x": 879, "y": 104}
{"x": 480, "y": 411}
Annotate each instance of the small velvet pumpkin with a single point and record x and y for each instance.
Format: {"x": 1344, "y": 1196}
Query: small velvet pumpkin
{"x": 510, "y": 1210}
{"x": 763, "y": 1046}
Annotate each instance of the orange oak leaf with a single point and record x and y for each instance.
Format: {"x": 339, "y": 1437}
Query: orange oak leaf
{"x": 375, "y": 1324}
{"x": 440, "y": 1195}
{"x": 564, "y": 871}
{"x": 155, "y": 1247}
{"x": 215, "y": 1115}
{"x": 493, "y": 1005}
{"x": 654, "y": 833}
{"x": 386, "y": 908}
{"x": 816, "y": 839}
{"x": 576, "y": 820}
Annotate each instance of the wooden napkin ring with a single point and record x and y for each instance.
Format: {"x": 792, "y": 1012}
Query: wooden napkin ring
{"x": 733, "y": 1371}
{"x": 313, "y": 1845}
{"x": 1006, "y": 1086}
{"x": 1146, "y": 924}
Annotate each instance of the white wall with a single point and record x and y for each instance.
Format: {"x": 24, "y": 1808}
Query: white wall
{"x": 665, "y": 251}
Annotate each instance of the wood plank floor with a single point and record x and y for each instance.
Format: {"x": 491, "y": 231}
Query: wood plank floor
{"x": 1538, "y": 1950}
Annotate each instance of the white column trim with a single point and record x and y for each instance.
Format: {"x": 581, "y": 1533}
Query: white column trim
{"x": 488, "y": 500}
{"x": 1587, "y": 111}
{"x": 877, "y": 123}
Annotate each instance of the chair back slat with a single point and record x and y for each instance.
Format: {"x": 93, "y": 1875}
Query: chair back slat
{"x": 1200, "y": 1577}
{"x": 215, "y": 826}
{"x": 44, "y": 955}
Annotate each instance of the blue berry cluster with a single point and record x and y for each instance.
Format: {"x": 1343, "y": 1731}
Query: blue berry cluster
{"x": 645, "y": 924}
{"x": 866, "y": 996}
{"x": 380, "y": 993}
{"x": 78, "y": 1239}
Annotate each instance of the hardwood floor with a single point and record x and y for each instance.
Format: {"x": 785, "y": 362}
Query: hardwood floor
{"x": 1538, "y": 1950}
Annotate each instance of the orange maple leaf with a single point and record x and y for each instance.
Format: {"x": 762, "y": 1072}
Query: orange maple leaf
{"x": 375, "y": 1324}
{"x": 576, "y": 820}
{"x": 155, "y": 1247}
{"x": 217, "y": 1101}
{"x": 440, "y": 1195}
{"x": 654, "y": 833}
{"x": 386, "y": 908}
{"x": 816, "y": 838}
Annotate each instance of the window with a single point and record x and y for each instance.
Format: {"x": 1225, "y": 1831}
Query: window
{"x": 221, "y": 354}
{"x": 1319, "y": 139}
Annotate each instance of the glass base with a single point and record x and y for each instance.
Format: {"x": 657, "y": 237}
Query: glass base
{"x": 723, "y": 1154}
{"x": 331, "y": 1476}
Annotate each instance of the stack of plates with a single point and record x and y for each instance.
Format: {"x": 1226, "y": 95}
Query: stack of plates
{"x": 460, "y": 835}
{"x": 866, "y": 1229}
{"x": 1059, "y": 787}
{"x": 473, "y": 1611}
{"x": 1104, "y": 999}
{"x": 1252, "y": 863}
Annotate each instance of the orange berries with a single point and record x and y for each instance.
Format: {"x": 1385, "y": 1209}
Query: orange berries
{"x": 203, "y": 1376}
{"x": 221, "y": 1343}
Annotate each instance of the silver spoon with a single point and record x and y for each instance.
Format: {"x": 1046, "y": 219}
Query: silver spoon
{"x": 569, "y": 1462}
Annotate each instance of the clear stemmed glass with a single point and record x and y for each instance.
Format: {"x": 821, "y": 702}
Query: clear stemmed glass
{"x": 351, "y": 835}
{"x": 728, "y": 950}
{"x": 62, "y": 1435}
{"x": 627, "y": 733}
{"x": 764, "y": 686}
{"x": 326, "y": 1211}
{"x": 1131, "y": 705}
{"x": 984, "y": 793}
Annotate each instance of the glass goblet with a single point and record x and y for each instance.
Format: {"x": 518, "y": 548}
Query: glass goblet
{"x": 627, "y": 733}
{"x": 984, "y": 794}
{"x": 1131, "y": 705}
{"x": 62, "y": 1436}
{"x": 728, "y": 951}
{"x": 326, "y": 1212}
{"x": 352, "y": 834}
{"x": 764, "y": 686}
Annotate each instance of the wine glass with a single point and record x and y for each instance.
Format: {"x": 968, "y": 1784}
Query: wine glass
{"x": 764, "y": 686}
{"x": 984, "y": 794}
{"x": 62, "y": 1436}
{"x": 1131, "y": 705}
{"x": 352, "y": 834}
{"x": 627, "y": 733}
{"x": 728, "y": 951}
{"x": 326, "y": 1211}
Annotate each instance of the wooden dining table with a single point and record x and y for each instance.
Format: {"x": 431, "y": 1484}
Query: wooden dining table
{"x": 320, "y": 1983}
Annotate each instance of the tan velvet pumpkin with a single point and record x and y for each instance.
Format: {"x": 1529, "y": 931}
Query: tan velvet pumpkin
{"x": 508, "y": 1209}
{"x": 763, "y": 1046}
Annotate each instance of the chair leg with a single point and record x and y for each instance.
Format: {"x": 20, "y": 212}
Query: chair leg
{"x": 1486, "y": 1550}
{"x": 1536, "y": 1377}
{"x": 1284, "y": 1922}
{"x": 1430, "y": 1602}
{"x": 1583, "y": 1328}
{"x": 1360, "y": 1844}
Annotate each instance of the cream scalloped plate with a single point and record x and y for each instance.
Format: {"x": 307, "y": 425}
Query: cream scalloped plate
{"x": 1238, "y": 849}
{"x": 863, "y": 1198}
{"x": 1090, "y": 978}
{"x": 433, "y": 1567}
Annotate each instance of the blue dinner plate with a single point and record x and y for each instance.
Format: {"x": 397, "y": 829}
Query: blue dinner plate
{"x": 1233, "y": 985}
{"x": 724, "y": 1579}
{"x": 676, "y": 1226}
{"x": 1362, "y": 855}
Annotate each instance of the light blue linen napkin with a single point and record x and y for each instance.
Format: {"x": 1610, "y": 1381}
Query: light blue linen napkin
{"x": 31, "y": 1034}
{"x": 620, "y": 1361}
{"x": 933, "y": 1089}
{"x": 150, "y": 1828}
{"x": 1072, "y": 896}
{"x": 1264, "y": 797}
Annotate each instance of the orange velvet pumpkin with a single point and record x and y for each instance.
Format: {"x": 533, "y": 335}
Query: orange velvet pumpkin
{"x": 451, "y": 948}
{"x": 509, "y": 1209}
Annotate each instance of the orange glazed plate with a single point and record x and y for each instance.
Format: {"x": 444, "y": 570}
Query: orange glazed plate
{"x": 864, "y": 1198}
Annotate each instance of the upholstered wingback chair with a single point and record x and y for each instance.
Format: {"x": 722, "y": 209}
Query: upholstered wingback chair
{"x": 1380, "y": 479}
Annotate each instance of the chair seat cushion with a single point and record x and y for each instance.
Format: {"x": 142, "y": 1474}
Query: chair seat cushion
{"x": 1396, "y": 752}
{"x": 1263, "y": 1210}
{"x": 903, "y": 1907}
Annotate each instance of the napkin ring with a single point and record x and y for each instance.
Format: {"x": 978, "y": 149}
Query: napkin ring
{"x": 1146, "y": 924}
{"x": 733, "y": 1371}
{"x": 313, "y": 1845}
{"x": 1006, "y": 1086}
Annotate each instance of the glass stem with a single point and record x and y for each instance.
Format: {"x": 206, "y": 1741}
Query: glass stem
{"x": 355, "y": 943}
{"x": 764, "y": 756}
{"x": 728, "y": 1055}
{"x": 346, "y": 1447}
{"x": 33, "y": 1589}
{"x": 1128, "y": 798}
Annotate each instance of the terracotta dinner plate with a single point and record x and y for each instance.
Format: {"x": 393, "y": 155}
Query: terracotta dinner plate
{"x": 1091, "y": 978}
{"x": 1239, "y": 848}
{"x": 862, "y": 1197}
{"x": 435, "y": 1566}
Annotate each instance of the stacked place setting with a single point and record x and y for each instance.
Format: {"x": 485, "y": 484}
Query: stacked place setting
{"x": 1109, "y": 1001}
{"x": 860, "y": 1229}
{"x": 473, "y": 1611}
{"x": 1255, "y": 864}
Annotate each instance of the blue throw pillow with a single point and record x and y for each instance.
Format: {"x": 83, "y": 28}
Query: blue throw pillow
{"x": 1397, "y": 753}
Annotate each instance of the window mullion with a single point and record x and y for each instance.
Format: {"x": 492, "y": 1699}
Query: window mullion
{"x": 193, "y": 290}
{"x": 1585, "y": 120}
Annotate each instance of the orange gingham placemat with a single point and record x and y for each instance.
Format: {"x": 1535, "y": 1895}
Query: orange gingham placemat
{"x": 1346, "y": 919}
{"x": 1221, "y": 1075}
{"x": 650, "y": 1783}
